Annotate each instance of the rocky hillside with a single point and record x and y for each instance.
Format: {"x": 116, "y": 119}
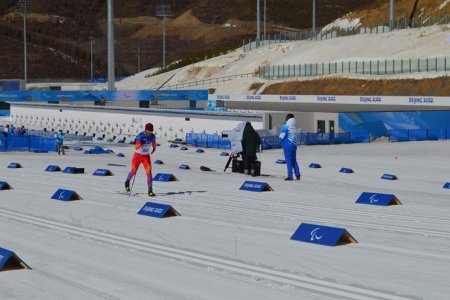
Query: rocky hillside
{"x": 60, "y": 30}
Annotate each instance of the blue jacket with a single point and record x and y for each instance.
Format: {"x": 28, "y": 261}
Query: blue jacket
{"x": 288, "y": 134}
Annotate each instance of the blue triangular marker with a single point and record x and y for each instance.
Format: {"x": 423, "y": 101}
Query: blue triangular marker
{"x": 200, "y": 151}
{"x": 322, "y": 235}
{"x": 73, "y": 170}
{"x": 315, "y": 166}
{"x": 280, "y": 161}
{"x": 224, "y": 154}
{"x": 10, "y": 261}
{"x": 159, "y": 162}
{"x": 4, "y": 186}
{"x": 346, "y": 170}
{"x": 446, "y": 185}
{"x": 158, "y": 210}
{"x": 378, "y": 199}
{"x": 184, "y": 167}
{"x": 102, "y": 172}
{"x": 389, "y": 177}
{"x": 164, "y": 177}
{"x": 53, "y": 168}
{"x": 66, "y": 195}
{"x": 255, "y": 186}
{"x": 14, "y": 165}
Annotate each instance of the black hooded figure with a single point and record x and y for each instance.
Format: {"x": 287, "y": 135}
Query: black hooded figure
{"x": 250, "y": 143}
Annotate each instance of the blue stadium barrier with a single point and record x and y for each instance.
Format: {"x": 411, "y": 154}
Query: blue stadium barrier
{"x": 27, "y": 143}
{"x": 273, "y": 142}
{"x": 406, "y": 135}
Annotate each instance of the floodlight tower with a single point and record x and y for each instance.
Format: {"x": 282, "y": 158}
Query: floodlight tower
{"x": 163, "y": 10}
{"x": 111, "y": 64}
{"x": 23, "y": 7}
{"x": 92, "y": 41}
{"x": 258, "y": 24}
{"x": 265, "y": 20}
{"x": 314, "y": 17}
{"x": 391, "y": 15}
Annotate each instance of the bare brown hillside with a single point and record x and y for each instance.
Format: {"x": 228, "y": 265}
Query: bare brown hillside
{"x": 338, "y": 86}
{"x": 195, "y": 26}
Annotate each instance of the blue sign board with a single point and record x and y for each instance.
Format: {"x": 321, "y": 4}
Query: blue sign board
{"x": 10, "y": 261}
{"x": 346, "y": 170}
{"x": 224, "y": 154}
{"x": 159, "y": 162}
{"x": 66, "y": 195}
{"x": 4, "y": 186}
{"x": 255, "y": 186}
{"x": 102, "y": 172}
{"x": 183, "y": 148}
{"x": 52, "y": 168}
{"x": 377, "y": 199}
{"x": 164, "y": 177}
{"x": 280, "y": 161}
{"x": 184, "y": 167}
{"x": 122, "y": 95}
{"x": 14, "y": 165}
{"x": 322, "y": 235}
{"x": 315, "y": 166}
{"x": 200, "y": 151}
{"x": 446, "y": 185}
{"x": 173, "y": 146}
{"x": 158, "y": 210}
{"x": 389, "y": 177}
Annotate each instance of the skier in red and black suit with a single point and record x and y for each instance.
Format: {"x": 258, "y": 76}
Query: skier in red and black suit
{"x": 143, "y": 141}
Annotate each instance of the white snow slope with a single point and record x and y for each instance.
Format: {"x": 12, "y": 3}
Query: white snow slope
{"x": 228, "y": 243}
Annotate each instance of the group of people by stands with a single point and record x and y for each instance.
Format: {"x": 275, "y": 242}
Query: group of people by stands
{"x": 10, "y": 130}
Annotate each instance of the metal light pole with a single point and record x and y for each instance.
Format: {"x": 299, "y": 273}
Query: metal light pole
{"x": 92, "y": 40}
{"x": 258, "y": 24}
{"x": 163, "y": 11}
{"x": 111, "y": 65}
{"x": 314, "y": 17}
{"x": 23, "y": 7}
{"x": 265, "y": 20}
{"x": 391, "y": 15}
{"x": 140, "y": 50}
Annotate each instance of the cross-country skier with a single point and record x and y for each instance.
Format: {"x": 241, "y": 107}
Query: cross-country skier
{"x": 143, "y": 141}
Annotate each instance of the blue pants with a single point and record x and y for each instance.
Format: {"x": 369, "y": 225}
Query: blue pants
{"x": 290, "y": 154}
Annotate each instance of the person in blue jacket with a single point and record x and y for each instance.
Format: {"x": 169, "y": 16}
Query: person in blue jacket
{"x": 288, "y": 136}
{"x": 60, "y": 142}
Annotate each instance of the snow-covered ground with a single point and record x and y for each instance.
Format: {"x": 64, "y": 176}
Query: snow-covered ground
{"x": 426, "y": 42}
{"x": 228, "y": 243}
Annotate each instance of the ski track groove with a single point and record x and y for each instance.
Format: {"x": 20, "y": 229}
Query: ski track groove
{"x": 309, "y": 284}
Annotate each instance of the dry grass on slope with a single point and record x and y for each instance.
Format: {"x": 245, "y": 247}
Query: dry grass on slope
{"x": 337, "y": 86}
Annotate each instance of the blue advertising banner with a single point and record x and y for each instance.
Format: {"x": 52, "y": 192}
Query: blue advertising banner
{"x": 446, "y": 185}
{"x": 132, "y": 95}
{"x": 379, "y": 123}
{"x": 322, "y": 235}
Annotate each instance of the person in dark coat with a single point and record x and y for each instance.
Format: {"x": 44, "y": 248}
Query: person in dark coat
{"x": 250, "y": 143}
